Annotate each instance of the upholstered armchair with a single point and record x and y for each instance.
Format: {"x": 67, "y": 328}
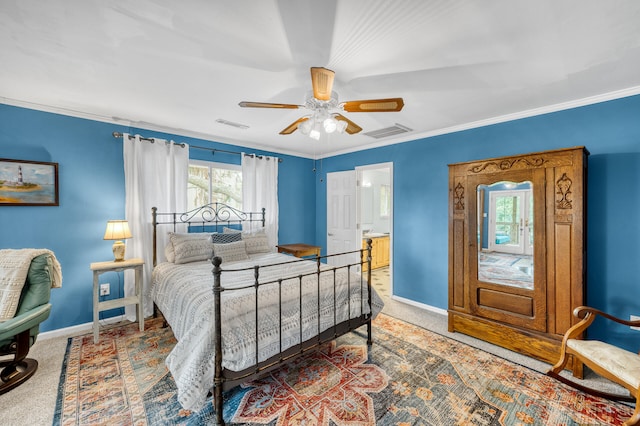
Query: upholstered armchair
{"x": 609, "y": 361}
{"x": 19, "y": 333}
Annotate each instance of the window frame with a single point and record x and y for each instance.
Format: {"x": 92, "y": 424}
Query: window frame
{"x": 214, "y": 165}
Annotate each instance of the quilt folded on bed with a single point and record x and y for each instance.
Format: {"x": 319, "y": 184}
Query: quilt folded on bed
{"x": 184, "y": 295}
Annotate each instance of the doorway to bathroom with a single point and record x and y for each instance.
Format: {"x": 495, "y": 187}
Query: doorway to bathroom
{"x": 375, "y": 221}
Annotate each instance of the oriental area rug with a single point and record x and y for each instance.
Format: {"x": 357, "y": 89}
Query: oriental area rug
{"x": 410, "y": 376}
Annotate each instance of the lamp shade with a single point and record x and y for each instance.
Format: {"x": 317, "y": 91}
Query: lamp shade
{"x": 117, "y": 230}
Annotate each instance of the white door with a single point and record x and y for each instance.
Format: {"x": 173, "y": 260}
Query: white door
{"x": 342, "y": 234}
{"x": 510, "y": 224}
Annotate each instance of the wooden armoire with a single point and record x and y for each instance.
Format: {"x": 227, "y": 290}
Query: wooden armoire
{"x": 486, "y": 221}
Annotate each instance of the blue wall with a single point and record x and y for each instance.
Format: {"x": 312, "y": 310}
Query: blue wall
{"x": 609, "y": 130}
{"x": 92, "y": 191}
{"x": 91, "y": 185}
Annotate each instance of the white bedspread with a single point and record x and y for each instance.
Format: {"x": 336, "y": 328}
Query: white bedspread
{"x": 184, "y": 295}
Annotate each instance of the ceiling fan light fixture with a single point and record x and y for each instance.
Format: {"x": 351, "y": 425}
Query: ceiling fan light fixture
{"x": 314, "y": 134}
{"x": 330, "y": 125}
{"x": 321, "y": 101}
{"x": 306, "y": 126}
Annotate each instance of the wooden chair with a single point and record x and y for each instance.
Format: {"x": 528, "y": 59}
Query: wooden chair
{"x": 609, "y": 361}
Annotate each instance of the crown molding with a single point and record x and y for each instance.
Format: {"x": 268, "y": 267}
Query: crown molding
{"x": 619, "y": 94}
{"x": 125, "y": 122}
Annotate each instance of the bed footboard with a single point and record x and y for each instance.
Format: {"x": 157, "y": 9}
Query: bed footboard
{"x": 225, "y": 379}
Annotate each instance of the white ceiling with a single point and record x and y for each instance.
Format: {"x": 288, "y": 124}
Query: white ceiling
{"x": 180, "y": 65}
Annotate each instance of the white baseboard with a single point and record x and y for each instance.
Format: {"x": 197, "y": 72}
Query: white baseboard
{"x": 88, "y": 327}
{"x": 75, "y": 330}
{"x": 430, "y": 308}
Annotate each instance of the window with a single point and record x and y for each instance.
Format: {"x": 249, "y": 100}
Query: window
{"x": 385, "y": 201}
{"x": 214, "y": 182}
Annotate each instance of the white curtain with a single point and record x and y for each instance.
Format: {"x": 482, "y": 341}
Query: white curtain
{"x": 155, "y": 175}
{"x": 260, "y": 189}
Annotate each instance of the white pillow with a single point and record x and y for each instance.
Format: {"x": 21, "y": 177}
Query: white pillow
{"x": 169, "y": 251}
{"x": 188, "y": 248}
{"x": 231, "y": 252}
{"x": 256, "y": 241}
{"x": 226, "y": 230}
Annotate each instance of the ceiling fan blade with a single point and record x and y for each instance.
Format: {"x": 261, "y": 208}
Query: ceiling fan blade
{"x": 351, "y": 126}
{"x": 293, "y": 126}
{"x": 322, "y": 82}
{"x": 374, "y": 105}
{"x": 246, "y": 104}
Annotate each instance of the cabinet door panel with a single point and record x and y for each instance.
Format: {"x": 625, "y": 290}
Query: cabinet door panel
{"x": 384, "y": 251}
{"x": 521, "y": 304}
{"x": 505, "y": 302}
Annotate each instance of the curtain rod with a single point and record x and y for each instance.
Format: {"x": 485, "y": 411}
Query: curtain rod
{"x": 213, "y": 150}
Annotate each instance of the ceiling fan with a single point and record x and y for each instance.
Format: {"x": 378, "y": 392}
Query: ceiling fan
{"x": 322, "y": 101}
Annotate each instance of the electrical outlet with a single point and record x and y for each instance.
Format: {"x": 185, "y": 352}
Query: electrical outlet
{"x": 105, "y": 289}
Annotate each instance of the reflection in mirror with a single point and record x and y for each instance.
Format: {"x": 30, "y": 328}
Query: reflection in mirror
{"x": 505, "y": 233}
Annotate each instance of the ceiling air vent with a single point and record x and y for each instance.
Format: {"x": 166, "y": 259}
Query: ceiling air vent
{"x": 388, "y": 131}
{"x": 232, "y": 124}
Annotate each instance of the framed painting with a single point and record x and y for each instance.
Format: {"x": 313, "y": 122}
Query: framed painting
{"x": 28, "y": 183}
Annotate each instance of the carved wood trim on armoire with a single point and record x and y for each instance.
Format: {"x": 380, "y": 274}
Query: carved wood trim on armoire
{"x": 529, "y": 317}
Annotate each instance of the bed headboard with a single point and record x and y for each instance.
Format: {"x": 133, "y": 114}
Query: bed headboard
{"x": 207, "y": 218}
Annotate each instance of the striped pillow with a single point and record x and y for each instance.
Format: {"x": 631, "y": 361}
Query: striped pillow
{"x": 231, "y": 252}
{"x": 169, "y": 250}
{"x": 189, "y": 249}
{"x": 257, "y": 241}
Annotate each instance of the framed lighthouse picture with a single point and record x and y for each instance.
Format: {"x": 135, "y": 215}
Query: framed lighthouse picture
{"x": 28, "y": 183}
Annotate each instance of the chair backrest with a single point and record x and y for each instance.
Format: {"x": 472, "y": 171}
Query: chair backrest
{"x": 37, "y": 289}
{"x": 35, "y": 292}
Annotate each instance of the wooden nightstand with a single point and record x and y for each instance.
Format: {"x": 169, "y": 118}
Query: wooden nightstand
{"x": 299, "y": 250}
{"x": 112, "y": 266}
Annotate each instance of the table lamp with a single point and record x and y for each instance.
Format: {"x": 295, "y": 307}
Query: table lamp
{"x": 117, "y": 230}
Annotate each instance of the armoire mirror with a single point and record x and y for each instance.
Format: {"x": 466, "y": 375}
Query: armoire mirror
{"x": 516, "y": 249}
{"x": 505, "y": 233}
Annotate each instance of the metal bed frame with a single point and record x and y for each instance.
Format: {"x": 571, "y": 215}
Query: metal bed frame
{"x": 209, "y": 218}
